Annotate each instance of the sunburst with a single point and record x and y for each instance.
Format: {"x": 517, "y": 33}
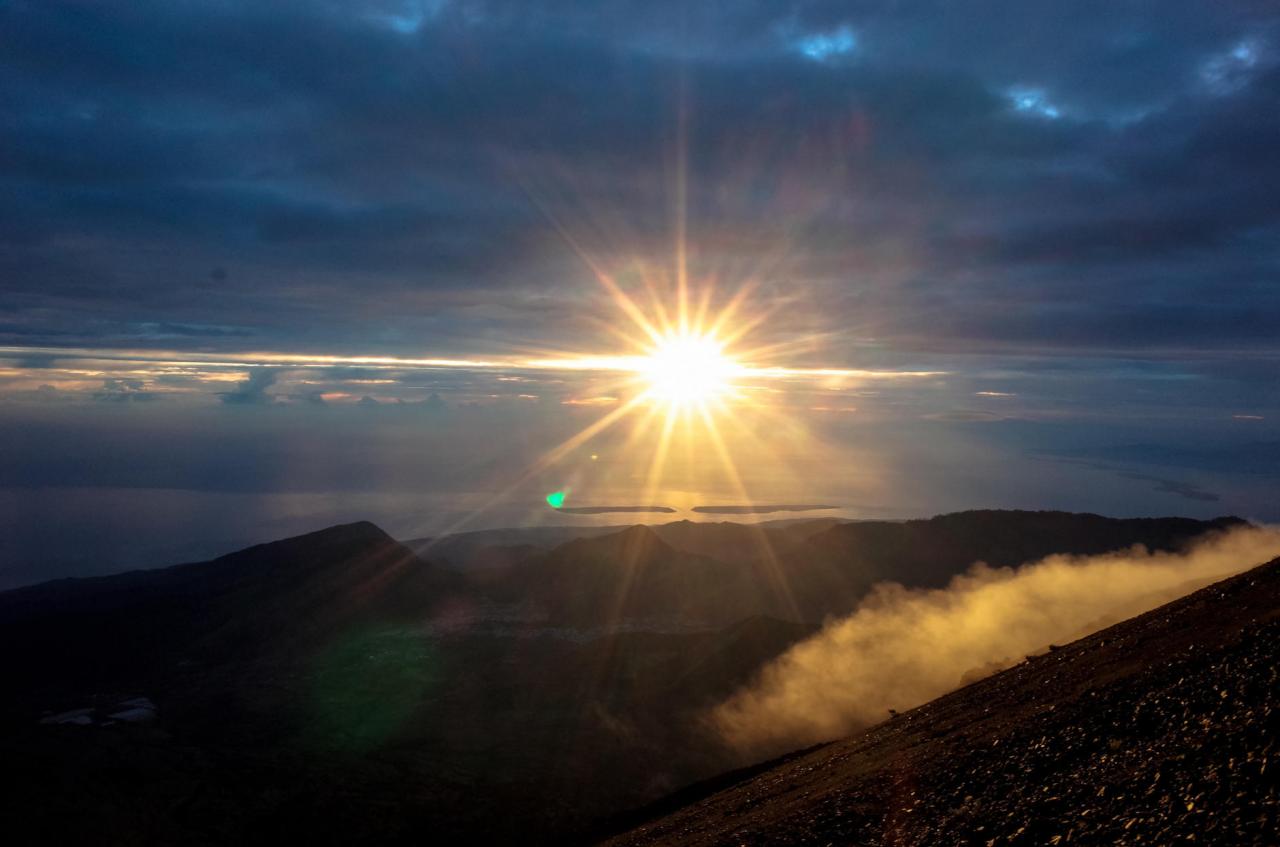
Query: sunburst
{"x": 689, "y": 381}
{"x": 689, "y": 370}
{"x": 689, "y": 375}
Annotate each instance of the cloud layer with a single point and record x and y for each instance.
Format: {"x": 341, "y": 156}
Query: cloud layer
{"x": 389, "y": 173}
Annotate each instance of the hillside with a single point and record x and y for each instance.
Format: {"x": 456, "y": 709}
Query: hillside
{"x": 634, "y": 575}
{"x": 1158, "y": 730}
{"x": 336, "y": 688}
{"x": 276, "y": 600}
{"x": 803, "y": 571}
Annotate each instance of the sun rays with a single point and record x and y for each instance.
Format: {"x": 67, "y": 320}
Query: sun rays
{"x": 688, "y": 383}
{"x": 686, "y": 390}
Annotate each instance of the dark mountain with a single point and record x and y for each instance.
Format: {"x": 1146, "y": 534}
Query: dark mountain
{"x": 282, "y": 577}
{"x": 653, "y": 672}
{"x": 729, "y": 542}
{"x": 1159, "y": 730}
{"x": 832, "y": 570}
{"x": 803, "y": 571}
{"x": 487, "y": 548}
{"x": 276, "y": 599}
{"x": 687, "y": 573}
{"x": 741, "y": 543}
{"x": 633, "y": 576}
{"x": 710, "y": 671}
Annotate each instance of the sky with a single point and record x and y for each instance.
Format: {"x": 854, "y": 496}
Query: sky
{"x": 268, "y": 266}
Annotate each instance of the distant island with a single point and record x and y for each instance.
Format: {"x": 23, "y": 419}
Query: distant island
{"x": 757, "y": 510}
{"x": 608, "y": 510}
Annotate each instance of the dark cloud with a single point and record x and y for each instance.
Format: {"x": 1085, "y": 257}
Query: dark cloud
{"x": 1181, "y": 489}
{"x": 363, "y": 164}
{"x": 1160, "y": 484}
{"x": 1247, "y": 456}
{"x": 253, "y": 391}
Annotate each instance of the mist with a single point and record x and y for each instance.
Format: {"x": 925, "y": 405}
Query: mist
{"x": 903, "y": 647}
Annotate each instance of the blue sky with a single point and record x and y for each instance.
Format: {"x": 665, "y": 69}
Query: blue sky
{"x": 234, "y": 236}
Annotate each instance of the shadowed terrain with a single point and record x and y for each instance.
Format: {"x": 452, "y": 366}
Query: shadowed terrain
{"x": 686, "y": 573}
{"x": 341, "y": 687}
{"x": 1158, "y": 730}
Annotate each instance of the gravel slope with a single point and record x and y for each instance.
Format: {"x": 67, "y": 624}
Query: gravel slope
{"x": 1159, "y": 730}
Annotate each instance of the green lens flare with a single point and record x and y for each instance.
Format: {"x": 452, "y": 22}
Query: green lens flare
{"x": 555, "y": 499}
{"x": 368, "y": 684}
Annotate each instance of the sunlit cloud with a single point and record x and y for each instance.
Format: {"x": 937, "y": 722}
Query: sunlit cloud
{"x": 590, "y": 401}
{"x": 406, "y": 16}
{"x": 1033, "y": 101}
{"x": 1233, "y": 69}
{"x": 821, "y": 46}
{"x": 213, "y": 366}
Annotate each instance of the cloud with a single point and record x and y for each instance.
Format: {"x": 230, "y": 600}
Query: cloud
{"x": 1173, "y": 486}
{"x": 253, "y": 391}
{"x": 965, "y": 416}
{"x": 1164, "y": 485}
{"x": 122, "y": 391}
{"x": 1242, "y": 457}
{"x": 1229, "y": 71}
{"x": 903, "y": 647}
{"x": 1033, "y": 100}
{"x": 358, "y": 163}
{"x": 821, "y": 46}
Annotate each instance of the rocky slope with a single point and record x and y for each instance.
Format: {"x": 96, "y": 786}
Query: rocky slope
{"x": 1158, "y": 730}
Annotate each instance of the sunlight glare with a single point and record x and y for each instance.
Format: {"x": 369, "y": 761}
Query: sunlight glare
{"x": 686, "y": 370}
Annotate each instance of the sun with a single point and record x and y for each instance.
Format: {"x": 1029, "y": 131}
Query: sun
{"x": 688, "y": 369}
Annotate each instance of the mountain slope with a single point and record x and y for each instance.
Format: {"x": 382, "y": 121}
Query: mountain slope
{"x": 334, "y": 688}
{"x": 832, "y": 570}
{"x": 494, "y": 547}
{"x": 631, "y": 576}
{"x": 135, "y": 629}
{"x": 805, "y": 571}
{"x": 1154, "y": 731}
{"x": 741, "y": 542}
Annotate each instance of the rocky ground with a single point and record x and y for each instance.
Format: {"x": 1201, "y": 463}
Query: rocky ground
{"x": 1160, "y": 730}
